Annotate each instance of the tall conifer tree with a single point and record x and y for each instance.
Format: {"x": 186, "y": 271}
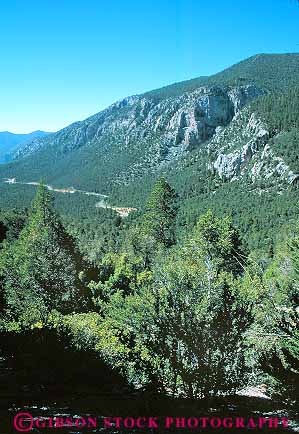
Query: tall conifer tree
{"x": 40, "y": 269}
{"x": 160, "y": 214}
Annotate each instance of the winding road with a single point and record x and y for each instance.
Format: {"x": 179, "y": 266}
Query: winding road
{"x": 122, "y": 211}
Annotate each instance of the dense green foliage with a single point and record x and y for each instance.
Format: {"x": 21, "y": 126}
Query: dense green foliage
{"x": 196, "y": 293}
{"x": 279, "y": 110}
{"x": 279, "y": 327}
{"x": 160, "y": 213}
{"x": 194, "y": 319}
{"x": 40, "y": 269}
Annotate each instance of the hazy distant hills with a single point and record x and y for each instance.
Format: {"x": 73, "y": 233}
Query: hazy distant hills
{"x": 10, "y": 142}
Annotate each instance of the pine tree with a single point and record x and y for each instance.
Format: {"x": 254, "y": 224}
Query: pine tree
{"x": 277, "y": 319}
{"x": 40, "y": 270}
{"x": 220, "y": 243}
{"x": 160, "y": 214}
{"x": 183, "y": 330}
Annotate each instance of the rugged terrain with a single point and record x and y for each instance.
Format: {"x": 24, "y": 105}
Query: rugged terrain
{"x": 204, "y": 135}
{"x": 144, "y": 133}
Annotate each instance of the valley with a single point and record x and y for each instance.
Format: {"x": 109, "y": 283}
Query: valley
{"x": 160, "y": 258}
{"x": 122, "y": 211}
{"x": 215, "y": 139}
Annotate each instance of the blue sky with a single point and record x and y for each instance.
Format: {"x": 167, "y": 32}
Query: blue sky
{"x": 63, "y": 60}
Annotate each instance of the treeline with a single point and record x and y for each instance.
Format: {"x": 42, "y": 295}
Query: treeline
{"x": 190, "y": 317}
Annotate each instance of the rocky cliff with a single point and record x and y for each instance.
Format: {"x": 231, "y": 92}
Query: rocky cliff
{"x": 148, "y": 134}
{"x": 244, "y": 148}
{"x": 140, "y": 136}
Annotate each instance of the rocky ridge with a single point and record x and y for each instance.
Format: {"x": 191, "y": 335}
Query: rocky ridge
{"x": 208, "y": 119}
{"x": 243, "y": 148}
{"x": 165, "y": 130}
{"x": 184, "y": 121}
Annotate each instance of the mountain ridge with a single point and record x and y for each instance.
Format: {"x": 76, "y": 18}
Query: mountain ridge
{"x": 218, "y": 77}
{"x": 228, "y": 75}
{"x": 140, "y": 136}
{"x": 10, "y": 142}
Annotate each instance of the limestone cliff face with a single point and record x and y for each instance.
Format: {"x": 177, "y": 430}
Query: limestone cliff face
{"x": 238, "y": 144}
{"x": 164, "y": 130}
{"x": 243, "y": 148}
{"x": 146, "y": 135}
{"x": 199, "y": 124}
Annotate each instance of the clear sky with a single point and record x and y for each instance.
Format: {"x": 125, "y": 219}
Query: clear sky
{"x": 63, "y": 60}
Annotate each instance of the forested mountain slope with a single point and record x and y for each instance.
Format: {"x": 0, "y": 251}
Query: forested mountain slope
{"x": 227, "y": 142}
{"x": 143, "y": 133}
{"x": 132, "y": 137}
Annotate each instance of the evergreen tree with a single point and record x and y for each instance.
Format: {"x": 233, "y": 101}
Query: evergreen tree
{"x": 219, "y": 242}
{"x": 40, "y": 269}
{"x": 183, "y": 330}
{"x": 160, "y": 213}
{"x": 276, "y": 329}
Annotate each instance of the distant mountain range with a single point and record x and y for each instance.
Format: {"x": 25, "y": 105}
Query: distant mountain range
{"x": 10, "y": 143}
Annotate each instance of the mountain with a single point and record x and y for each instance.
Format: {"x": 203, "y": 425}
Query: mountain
{"x": 130, "y": 138}
{"x": 142, "y": 133}
{"x": 269, "y": 71}
{"x": 228, "y": 141}
{"x": 10, "y": 142}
